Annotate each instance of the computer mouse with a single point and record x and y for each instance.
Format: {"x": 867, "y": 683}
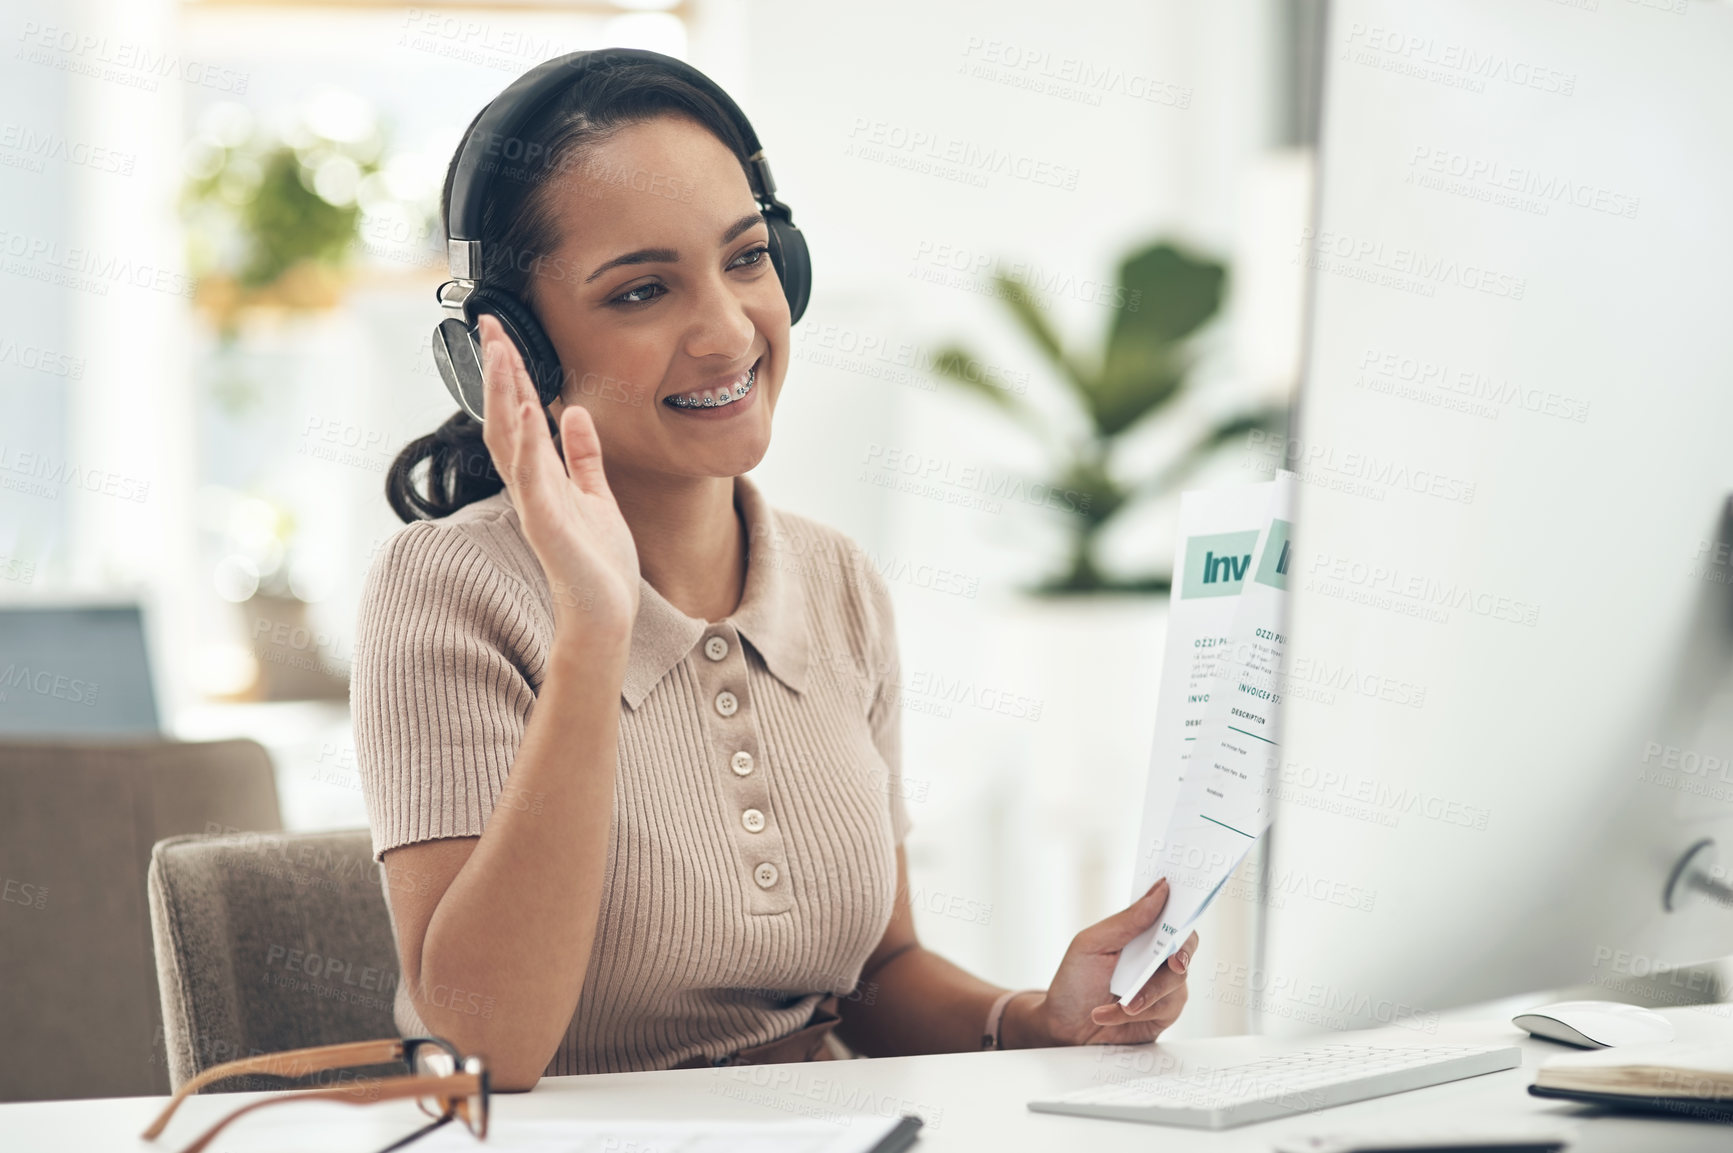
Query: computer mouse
{"x": 1595, "y": 1024}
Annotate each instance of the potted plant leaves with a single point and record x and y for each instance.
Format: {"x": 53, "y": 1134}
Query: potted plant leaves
{"x": 1166, "y": 296}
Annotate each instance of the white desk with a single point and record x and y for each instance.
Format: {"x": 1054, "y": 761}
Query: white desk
{"x": 971, "y": 1101}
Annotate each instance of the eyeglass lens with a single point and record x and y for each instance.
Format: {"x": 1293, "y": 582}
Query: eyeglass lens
{"x": 432, "y": 1060}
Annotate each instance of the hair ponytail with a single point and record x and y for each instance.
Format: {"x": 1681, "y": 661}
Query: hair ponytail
{"x": 459, "y": 471}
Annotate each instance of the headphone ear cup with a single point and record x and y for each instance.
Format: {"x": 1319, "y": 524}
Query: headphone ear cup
{"x": 458, "y": 358}
{"x": 788, "y": 255}
{"x": 520, "y": 323}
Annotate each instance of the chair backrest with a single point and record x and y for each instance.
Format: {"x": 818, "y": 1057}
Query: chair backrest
{"x": 267, "y": 942}
{"x": 78, "y": 996}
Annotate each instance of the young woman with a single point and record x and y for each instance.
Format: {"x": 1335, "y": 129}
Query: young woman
{"x": 630, "y": 736}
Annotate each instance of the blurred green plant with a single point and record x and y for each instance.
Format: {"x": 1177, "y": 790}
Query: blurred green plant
{"x": 1165, "y": 296}
{"x": 273, "y": 219}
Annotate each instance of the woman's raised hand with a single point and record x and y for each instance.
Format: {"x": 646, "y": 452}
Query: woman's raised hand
{"x": 568, "y": 512}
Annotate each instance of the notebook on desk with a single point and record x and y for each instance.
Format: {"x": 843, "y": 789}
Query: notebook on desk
{"x": 1688, "y": 1080}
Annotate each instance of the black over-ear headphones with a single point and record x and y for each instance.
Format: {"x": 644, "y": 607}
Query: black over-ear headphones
{"x": 493, "y": 141}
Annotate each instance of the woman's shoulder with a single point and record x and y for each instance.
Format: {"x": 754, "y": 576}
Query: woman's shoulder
{"x": 831, "y": 566}
{"x": 478, "y": 550}
{"x": 796, "y": 534}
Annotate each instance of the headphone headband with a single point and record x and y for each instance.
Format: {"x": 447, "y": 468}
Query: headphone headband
{"x": 496, "y": 142}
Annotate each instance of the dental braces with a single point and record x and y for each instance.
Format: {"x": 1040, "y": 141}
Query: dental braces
{"x": 740, "y": 390}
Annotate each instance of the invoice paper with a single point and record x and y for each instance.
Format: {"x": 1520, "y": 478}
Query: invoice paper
{"x": 1219, "y": 794}
{"x": 1218, "y": 532}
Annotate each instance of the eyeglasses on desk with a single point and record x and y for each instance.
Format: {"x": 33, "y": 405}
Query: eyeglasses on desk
{"x": 443, "y": 1082}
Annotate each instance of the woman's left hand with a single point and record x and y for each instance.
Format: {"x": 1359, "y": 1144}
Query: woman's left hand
{"x": 1079, "y": 1010}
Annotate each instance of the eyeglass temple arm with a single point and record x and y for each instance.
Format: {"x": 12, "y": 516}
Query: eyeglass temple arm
{"x": 292, "y": 1063}
{"x": 411, "y": 1138}
{"x": 360, "y": 1093}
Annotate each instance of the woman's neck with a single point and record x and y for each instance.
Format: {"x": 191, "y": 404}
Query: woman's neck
{"x": 691, "y": 540}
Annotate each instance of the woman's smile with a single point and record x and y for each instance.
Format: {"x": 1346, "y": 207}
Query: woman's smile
{"x": 722, "y": 400}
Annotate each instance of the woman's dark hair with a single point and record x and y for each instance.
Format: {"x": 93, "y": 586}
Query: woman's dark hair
{"x": 518, "y": 218}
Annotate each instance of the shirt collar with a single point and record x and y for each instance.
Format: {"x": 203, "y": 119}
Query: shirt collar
{"x": 771, "y": 616}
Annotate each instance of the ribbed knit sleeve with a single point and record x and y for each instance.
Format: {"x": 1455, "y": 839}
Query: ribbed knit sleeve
{"x": 886, "y": 715}
{"x": 441, "y": 685}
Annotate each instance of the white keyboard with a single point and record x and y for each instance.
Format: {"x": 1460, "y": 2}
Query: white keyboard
{"x": 1297, "y": 1082}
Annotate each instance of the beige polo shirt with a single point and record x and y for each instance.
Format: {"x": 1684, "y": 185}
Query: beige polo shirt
{"x": 758, "y": 804}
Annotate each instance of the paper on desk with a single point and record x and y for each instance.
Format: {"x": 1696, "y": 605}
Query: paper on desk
{"x": 1220, "y": 792}
{"x": 845, "y": 1134}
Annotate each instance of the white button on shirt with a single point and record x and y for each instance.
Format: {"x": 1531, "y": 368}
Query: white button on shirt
{"x": 753, "y": 820}
{"x": 742, "y": 763}
{"x": 715, "y": 648}
{"x": 727, "y": 703}
{"x": 765, "y": 875}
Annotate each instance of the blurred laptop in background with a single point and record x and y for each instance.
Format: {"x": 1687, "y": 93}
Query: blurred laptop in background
{"x": 76, "y": 670}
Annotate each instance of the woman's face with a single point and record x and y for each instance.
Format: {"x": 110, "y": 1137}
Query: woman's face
{"x": 660, "y": 295}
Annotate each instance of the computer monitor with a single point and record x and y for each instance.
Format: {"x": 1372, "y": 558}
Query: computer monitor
{"x": 75, "y": 670}
{"x": 1508, "y": 707}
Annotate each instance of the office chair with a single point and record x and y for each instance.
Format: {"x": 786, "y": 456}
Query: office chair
{"x": 77, "y": 821}
{"x": 267, "y": 942}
